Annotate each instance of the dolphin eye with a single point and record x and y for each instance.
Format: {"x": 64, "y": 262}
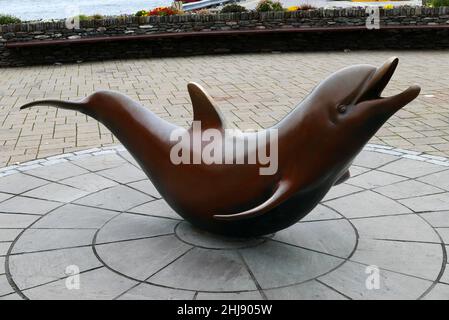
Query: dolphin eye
{"x": 341, "y": 108}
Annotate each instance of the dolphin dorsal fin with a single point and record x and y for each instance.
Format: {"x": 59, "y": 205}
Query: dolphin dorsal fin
{"x": 204, "y": 108}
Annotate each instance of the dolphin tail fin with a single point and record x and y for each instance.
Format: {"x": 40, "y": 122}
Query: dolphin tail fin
{"x": 204, "y": 108}
{"x": 70, "y": 105}
{"x": 281, "y": 193}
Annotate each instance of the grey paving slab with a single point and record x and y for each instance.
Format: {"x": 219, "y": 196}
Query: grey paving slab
{"x": 436, "y": 202}
{"x": 412, "y": 258}
{"x": 146, "y": 187}
{"x": 131, "y": 226}
{"x": 16, "y": 220}
{"x": 12, "y": 296}
{"x": 75, "y": 216}
{"x": 444, "y": 233}
{"x": 49, "y": 239}
{"x": 158, "y": 208}
{"x": 20, "y": 204}
{"x": 321, "y": 236}
{"x": 4, "y": 246}
{"x": 57, "y": 171}
{"x": 408, "y": 227}
{"x": 5, "y": 288}
{"x": 250, "y": 295}
{"x": 321, "y": 213}
{"x": 33, "y": 269}
{"x": 274, "y": 264}
{"x": 437, "y": 219}
{"x": 100, "y": 162}
{"x": 373, "y": 179}
{"x": 5, "y": 196}
{"x": 411, "y": 168}
{"x": 146, "y": 291}
{"x": 445, "y": 276}
{"x": 118, "y": 198}
{"x": 194, "y": 236}
{"x": 366, "y": 204}
{"x": 351, "y": 280}
{"x": 9, "y": 234}
{"x": 310, "y": 290}
{"x": 356, "y": 170}
{"x": 407, "y": 189}
{"x": 207, "y": 270}
{"x": 125, "y": 173}
{"x": 439, "y": 292}
{"x": 439, "y": 179}
{"x": 56, "y": 192}
{"x": 341, "y": 190}
{"x": 373, "y": 160}
{"x": 19, "y": 182}
{"x": 90, "y": 182}
{"x": 97, "y": 284}
{"x": 142, "y": 258}
{"x": 125, "y": 154}
{"x": 2, "y": 265}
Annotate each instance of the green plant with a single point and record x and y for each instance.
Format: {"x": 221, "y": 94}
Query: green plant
{"x": 277, "y": 6}
{"x": 438, "y": 3}
{"x": 141, "y": 13}
{"x": 264, "y": 6}
{"x": 96, "y": 16}
{"x": 307, "y": 6}
{"x": 8, "y": 19}
{"x": 269, "y": 5}
{"x": 83, "y": 17}
{"x": 233, "y": 8}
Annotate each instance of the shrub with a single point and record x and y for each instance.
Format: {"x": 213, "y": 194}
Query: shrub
{"x": 264, "y": 6}
{"x": 307, "y": 6}
{"x": 141, "y": 13}
{"x": 439, "y": 3}
{"x": 277, "y": 6}
{"x": 83, "y": 17}
{"x": 162, "y": 11}
{"x": 8, "y": 19}
{"x": 233, "y": 8}
{"x": 269, "y": 5}
{"x": 96, "y": 16}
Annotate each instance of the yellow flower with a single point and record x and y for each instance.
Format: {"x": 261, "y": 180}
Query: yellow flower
{"x": 293, "y": 8}
{"x": 388, "y": 6}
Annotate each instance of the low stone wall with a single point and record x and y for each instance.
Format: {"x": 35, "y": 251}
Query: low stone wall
{"x": 405, "y": 27}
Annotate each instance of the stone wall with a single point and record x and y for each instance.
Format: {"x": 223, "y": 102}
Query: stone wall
{"x": 405, "y": 27}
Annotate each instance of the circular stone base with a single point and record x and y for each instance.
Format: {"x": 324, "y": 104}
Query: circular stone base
{"x": 199, "y": 238}
{"x": 94, "y": 227}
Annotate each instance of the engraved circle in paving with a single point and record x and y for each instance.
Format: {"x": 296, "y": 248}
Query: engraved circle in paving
{"x": 97, "y": 212}
{"x": 199, "y": 261}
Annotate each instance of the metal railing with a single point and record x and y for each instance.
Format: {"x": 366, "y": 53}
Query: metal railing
{"x": 204, "y": 4}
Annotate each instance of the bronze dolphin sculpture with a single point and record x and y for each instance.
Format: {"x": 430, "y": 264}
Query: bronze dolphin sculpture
{"x": 316, "y": 143}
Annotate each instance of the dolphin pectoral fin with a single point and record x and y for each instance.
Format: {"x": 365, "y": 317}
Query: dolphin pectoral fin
{"x": 343, "y": 178}
{"x": 204, "y": 108}
{"x": 280, "y": 194}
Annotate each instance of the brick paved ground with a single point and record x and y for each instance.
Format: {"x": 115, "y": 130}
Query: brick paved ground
{"x": 254, "y": 91}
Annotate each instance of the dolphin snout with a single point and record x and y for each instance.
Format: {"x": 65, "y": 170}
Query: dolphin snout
{"x": 371, "y": 93}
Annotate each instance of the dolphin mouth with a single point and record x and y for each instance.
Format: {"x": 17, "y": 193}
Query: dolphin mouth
{"x": 376, "y": 83}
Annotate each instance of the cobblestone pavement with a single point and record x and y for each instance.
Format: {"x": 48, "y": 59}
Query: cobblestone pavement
{"x": 254, "y": 91}
{"x": 383, "y": 234}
